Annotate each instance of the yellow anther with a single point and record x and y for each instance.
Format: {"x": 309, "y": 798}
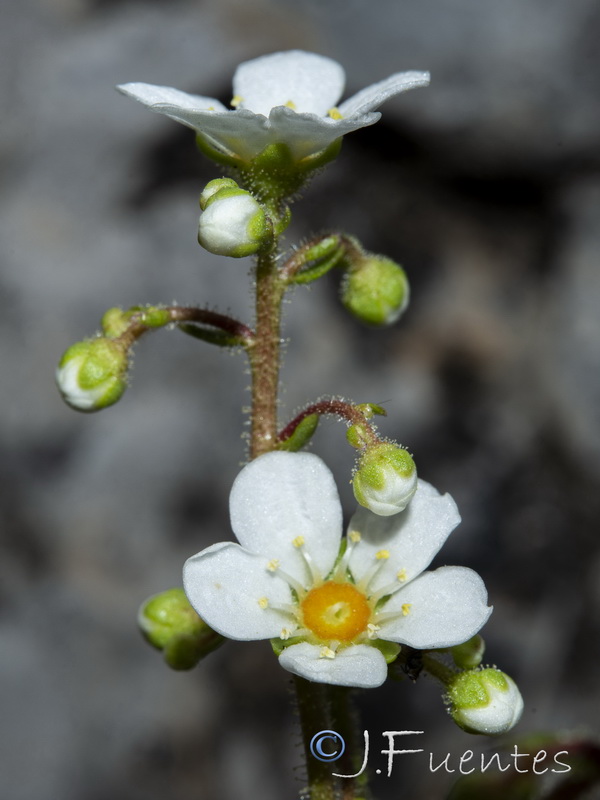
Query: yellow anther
{"x": 285, "y": 633}
{"x": 372, "y": 630}
{"x": 334, "y": 113}
{"x": 401, "y": 575}
{"x": 354, "y": 536}
{"x": 382, "y": 554}
{"x": 291, "y": 104}
{"x": 210, "y": 108}
{"x": 236, "y": 100}
{"x": 298, "y": 541}
{"x": 406, "y": 609}
{"x": 263, "y": 602}
{"x": 327, "y": 652}
{"x": 273, "y": 564}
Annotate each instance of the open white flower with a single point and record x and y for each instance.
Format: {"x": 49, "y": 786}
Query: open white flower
{"x": 284, "y": 580}
{"x": 288, "y": 98}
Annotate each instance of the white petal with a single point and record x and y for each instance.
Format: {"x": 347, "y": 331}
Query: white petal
{"x": 150, "y": 95}
{"x": 225, "y": 226}
{"x": 311, "y": 82}
{"x": 445, "y": 607}
{"x": 239, "y": 133}
{"x": 306, "y": 134}
{"x": 376, "y": 94}
{"x": 281, "y": 496}
{"x": 358, "y": 665}
{"x": 412, "y": 537}
{"x": 227, "y": 586}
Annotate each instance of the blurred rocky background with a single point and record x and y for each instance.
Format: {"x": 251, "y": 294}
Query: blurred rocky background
{"x": 486, "y": 186}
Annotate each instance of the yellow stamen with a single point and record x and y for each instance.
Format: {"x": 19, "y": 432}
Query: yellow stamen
{"x": 327, "y": 652}
{"x": 236, "y": 100}
{"x": 263, "y": 602}
{"x": 402, "y": 574}
{"x": 298, "y": 541}
{"x": 291, "y": 104}
{"x": 354, "y": 536}
{"x": 372, "y": 630}
{"x": 273, "y": 564}
{"x": 334, "y": 113}
{"x": 406, "y": 609}
{"x": 382, "y": 554}
{"x": 285, "y": 633}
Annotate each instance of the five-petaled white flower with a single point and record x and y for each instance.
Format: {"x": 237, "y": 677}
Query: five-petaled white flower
{"x": 288, "y": 98}
{"x": 285, "y": 580}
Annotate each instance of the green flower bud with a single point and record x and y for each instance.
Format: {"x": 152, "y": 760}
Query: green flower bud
{"x": 169, "y": 623}
{"x": 485, "y": 701}
{"x": 469, "y": 654}
{"x": 375, "y": 289}
{"x": 233, "y": 222}
{"x": 386, "y": 479}
{"x": 93, "y": 374}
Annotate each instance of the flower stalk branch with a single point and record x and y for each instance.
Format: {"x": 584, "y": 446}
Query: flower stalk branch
{"x": 187, "y": 318}
{"x": 354, "y": 415}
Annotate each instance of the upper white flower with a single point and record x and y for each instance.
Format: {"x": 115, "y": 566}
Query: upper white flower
{"x": 286, "y": 98}
{"x": 284, "y": 580}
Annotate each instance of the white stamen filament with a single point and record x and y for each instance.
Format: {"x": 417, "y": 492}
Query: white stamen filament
{"x": 273, "y": 566}
{"x": 313, "y": 570}
{"x": 363, "y": 584}
{"x": 353, "y": 539}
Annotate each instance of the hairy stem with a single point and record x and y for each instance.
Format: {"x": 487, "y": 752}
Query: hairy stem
{"x": 265, "y": 356}
{"x": 328, "y": 708}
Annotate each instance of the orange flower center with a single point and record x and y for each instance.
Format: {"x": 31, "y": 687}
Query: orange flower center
{"x": 336, "y": 611}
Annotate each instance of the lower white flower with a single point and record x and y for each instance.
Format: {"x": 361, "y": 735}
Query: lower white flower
{"x": 285, "y": 580}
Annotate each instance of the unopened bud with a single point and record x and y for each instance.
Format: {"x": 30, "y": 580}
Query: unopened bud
{"x": 485, "y": 701}
{"x": 375, "y": 289}
{"x": 232, "y": 223}
{"x": 169, "y": 623}
{"x": 93, "y": 374}
{"x": 386, "y": 479}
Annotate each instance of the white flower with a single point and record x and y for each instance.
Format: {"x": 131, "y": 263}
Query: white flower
{"x": 288, "y": 98}
{"x": 282, "y": 580}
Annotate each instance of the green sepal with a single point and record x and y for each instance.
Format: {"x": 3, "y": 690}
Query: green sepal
{"x": 371, "y": 409}
{"x": 389, "y": 650}
{"x": 301, "y": 435}
{"x": 326, "y": 246}
{"x": 279, "y": 645}
{"x": 211, "y": 335}
{"x": 184, "y": 651}
{"x": 115, "y": 321}
{"x": 357, "y": 436}
{"x": 216, "y": 155}
{"x": 317, "y": 270}
{"x": 275, "y": 174}
{"x": 469, "y": 654}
